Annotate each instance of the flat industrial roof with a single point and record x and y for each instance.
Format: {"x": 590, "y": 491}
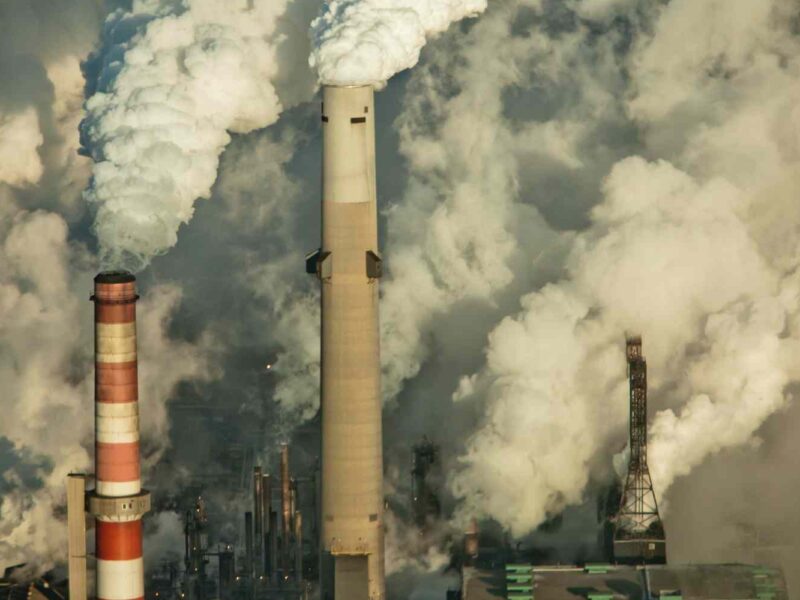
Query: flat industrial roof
{"x": 687, "y": 582}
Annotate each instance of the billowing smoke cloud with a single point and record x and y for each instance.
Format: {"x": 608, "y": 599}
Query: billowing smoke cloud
{"x": 688, "y": 249}
{"x": 358, "y": 42}
{"x": 20, "y": 138}
{"x": 174, "y": 79}
{"x": 45, "y": 281}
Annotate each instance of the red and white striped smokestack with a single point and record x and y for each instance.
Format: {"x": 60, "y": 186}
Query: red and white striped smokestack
{"x": 118, "y": 501}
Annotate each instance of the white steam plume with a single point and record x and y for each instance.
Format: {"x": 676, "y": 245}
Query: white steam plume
{"x": 175, "y": 78}
{"x": 45, "y": 281}
{"x": 693, "y": 251}
{"x": 359, "y": 42}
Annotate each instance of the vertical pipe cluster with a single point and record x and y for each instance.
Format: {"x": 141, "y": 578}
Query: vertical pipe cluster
{"x": 276, "y": 551}
{"x": 348, "y": 265}
{"x": 118, "y": 502}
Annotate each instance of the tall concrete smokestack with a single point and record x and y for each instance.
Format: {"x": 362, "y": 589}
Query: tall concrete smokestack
{"x": 349, "y": 266}
{"x": 118, "y": 501}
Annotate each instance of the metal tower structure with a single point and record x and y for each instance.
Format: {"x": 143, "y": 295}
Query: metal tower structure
{"x": 639, "y": 533}
{"x": 195, "y": 582}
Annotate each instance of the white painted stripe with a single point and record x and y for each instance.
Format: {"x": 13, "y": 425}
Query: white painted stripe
{"x": 117, "y": 423}
{"x": 117, "y": 409}
{"x": 120, "y": 579}
{"x": 115, "y": 342}
{"x": 118, "y": 489}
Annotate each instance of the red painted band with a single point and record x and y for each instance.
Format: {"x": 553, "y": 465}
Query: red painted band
{"x": 123, "y": 373}
{"x": 116, "y": 394}
{"x": 119, "y": 541}
{"x": 114, "y": 313}
{"x": 116, "y": 382}
{"x": 117, "y": 462}
{"x": 114, "y": 292}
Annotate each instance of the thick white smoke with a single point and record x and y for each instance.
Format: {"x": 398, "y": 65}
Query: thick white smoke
{"x": 175, "y": 77}
{"x": 692, "y": 251}
{"x": 20, "y": 138}
{"x": 359, "y": 42}
{"x": 45, "y": 282}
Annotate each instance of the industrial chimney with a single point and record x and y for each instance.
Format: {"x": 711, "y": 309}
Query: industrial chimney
{"x": 348, "y": 266}
{"x": 639, "y": 533}
{"x": 118, "y": 501}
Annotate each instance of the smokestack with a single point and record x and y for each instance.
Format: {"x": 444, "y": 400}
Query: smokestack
{"x": 248, "y": 542}
{"x": 258, "y": 507}
{"x": 471, "y": 543}
{"x": 273, "y": 545}
{"x": 118, "y": 501}
{"x": 266, "y": 508}
{"x": 298, "y": 547}
{"x": 76, "y": 527}
{"x": 286, "y": 509}
{"x": 292, "y": 500}
{"x": 349, "y": 267}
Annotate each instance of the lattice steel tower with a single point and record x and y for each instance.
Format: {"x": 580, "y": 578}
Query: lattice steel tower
{"x": 639, "y": 533}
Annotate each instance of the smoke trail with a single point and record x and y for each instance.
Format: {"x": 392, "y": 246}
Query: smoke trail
{"x": 174, "y": 79}
{"x": 368, "y": 41}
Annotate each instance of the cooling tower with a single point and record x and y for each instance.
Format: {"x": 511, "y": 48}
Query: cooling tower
{"x": 118, "y": 501}
{"x": 349, "y": 267}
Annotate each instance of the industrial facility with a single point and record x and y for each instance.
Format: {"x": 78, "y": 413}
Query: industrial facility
{"x": 635, "y": 563}
{"x": 277, "y": 559}
{"x": 319, "y": 533}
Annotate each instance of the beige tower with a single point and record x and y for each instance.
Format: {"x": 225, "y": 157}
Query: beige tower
{"x": 349, "y": 267}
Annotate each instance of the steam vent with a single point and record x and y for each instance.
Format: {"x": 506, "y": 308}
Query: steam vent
{"x": 348, "y": 266}
{"x": 118, "y": 501}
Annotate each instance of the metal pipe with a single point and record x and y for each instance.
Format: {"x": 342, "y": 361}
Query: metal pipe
{"x": 258, "y": 522}
{"x": 118, "y": 501}
{"x": 266, "y": 507}
{"x": 285, "y": 510}
{"x": 273, "y": 545}
{"x": 298, "y": 547}
{"x": 248, "y": 541}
